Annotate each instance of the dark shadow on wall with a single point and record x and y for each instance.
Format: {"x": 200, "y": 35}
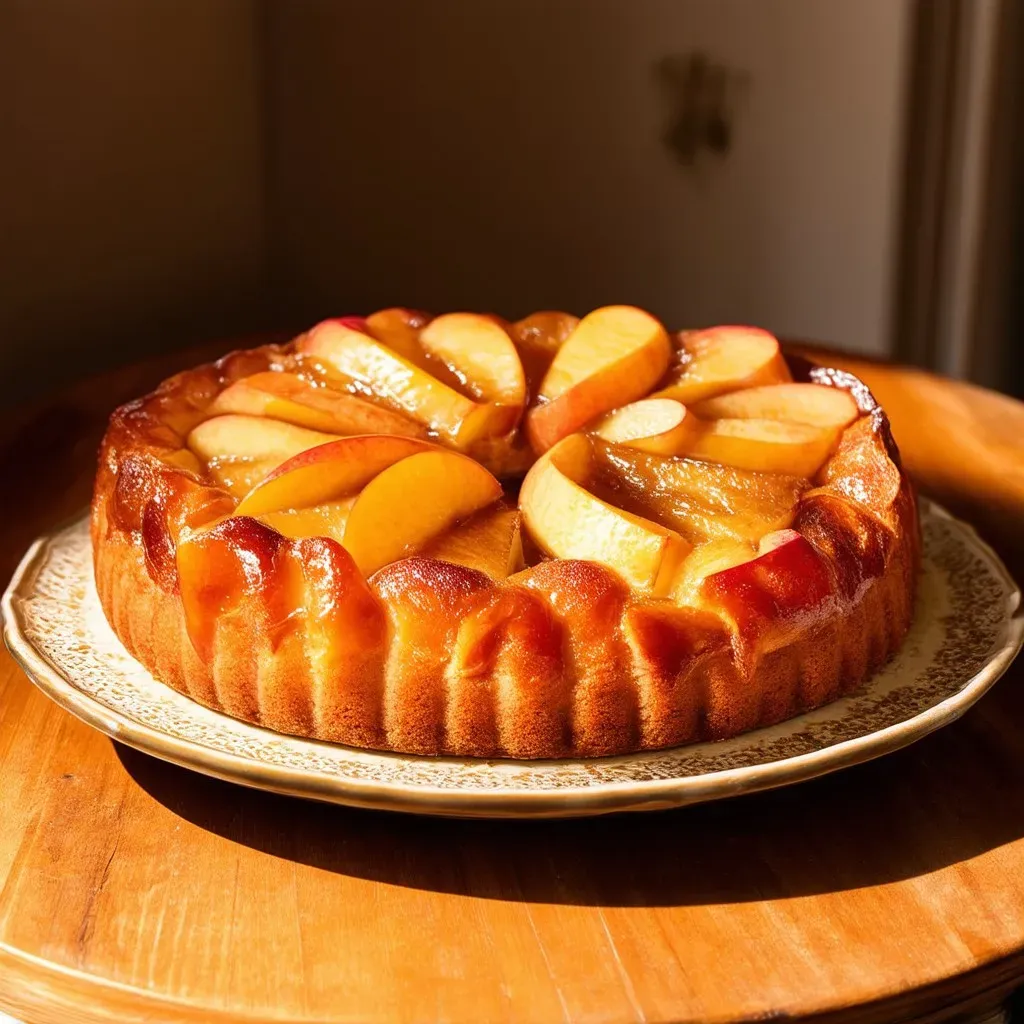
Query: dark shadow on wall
{"x": 131, "y": 183}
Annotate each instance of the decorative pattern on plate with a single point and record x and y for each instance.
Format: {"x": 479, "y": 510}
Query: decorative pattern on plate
{"x": 967, "y": 628}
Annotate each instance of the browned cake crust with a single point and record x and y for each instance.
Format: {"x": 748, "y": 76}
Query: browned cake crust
{"x": 429, "y": 657}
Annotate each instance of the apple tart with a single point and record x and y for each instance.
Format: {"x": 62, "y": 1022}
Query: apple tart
{"x": 458, "y": 535}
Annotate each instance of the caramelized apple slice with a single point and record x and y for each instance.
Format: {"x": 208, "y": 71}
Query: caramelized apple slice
{"x": 723, "y": 359}
{"x": 479, "y": 349}
{"x": 325, "y": 520}
{"x": 707, "y": 559}
{"x": 615, "y": 355}
{"x": 240, "y": 451}
{"x": 488, "y": 541}
{"x": 373, "y": 365}
{"x": 813, "y": 404}
{"x": 412, "y": 502}
{"x": 252, "y": 437}
{"x": 659, "y": 425}
{"x": 769, "y": 598}
{"x": 399, "y": 329}
{"x": 505, "y": 457}
{"x": 538, "y": 337}
{"x": 700, "y": 500}
{"x": 766, "y": 445}
{"x": 286, "y": 396}
{"x": 567, "y": 521}
{"x": 329, "y": 472}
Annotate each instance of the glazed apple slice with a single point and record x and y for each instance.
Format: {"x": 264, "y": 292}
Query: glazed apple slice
{"x": 413, "y": 501}
{"x": 286, "y": 396}
{"x": 479, "y": 349}
{"x": 722, "y": 359}
{"x": 659, "y": 425}
{"x": 705, "y": 560}
{"x": 399, "y": 329}
{"x": 700, "y": 500}
{"x": 538, "y": 338}
{"x": 327, "y": 519}
{"x": 770, "y": 596}
{"x": 615, "y": 356}
{"x": 813, "y": 404}
{"x": 370, "y": 364}
{"x": 567, "y": 521}
{"x": 488, "y": 541}
{"x": 771, "y": 446}
{"x": 240, "y": 451}
{"x": 252, "y": 437}
{"x": 329, "y": 472}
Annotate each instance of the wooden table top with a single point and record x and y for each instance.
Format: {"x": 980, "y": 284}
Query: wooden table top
{"x": 133, "y": 890}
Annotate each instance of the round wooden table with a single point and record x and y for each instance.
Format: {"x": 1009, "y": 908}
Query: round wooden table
{"x": 132, "y": 890}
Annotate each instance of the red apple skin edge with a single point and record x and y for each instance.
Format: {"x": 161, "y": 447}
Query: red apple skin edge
{"x": 770, "y": 596}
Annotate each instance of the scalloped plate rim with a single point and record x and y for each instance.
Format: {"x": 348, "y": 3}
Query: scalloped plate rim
{"x": 498, "y": 801}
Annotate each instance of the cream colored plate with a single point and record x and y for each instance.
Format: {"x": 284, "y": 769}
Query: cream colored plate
{"x": 967, "y": 629}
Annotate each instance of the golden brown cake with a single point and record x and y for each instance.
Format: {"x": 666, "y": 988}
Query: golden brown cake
{"x": 457, "y": 535}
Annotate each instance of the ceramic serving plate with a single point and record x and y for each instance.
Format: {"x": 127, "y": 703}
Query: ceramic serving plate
{"x": 967, "y": 629}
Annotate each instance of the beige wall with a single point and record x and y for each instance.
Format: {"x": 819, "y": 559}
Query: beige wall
{"x": 131, "y": 206}
{"x": 507, "y": 154}
{"x": 503, "y": 155}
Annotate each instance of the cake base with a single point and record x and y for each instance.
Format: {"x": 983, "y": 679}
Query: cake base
{"x": 967, "y": 627}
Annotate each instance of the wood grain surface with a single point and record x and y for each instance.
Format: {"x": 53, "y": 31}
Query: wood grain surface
{"x": 132, "y": 890}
